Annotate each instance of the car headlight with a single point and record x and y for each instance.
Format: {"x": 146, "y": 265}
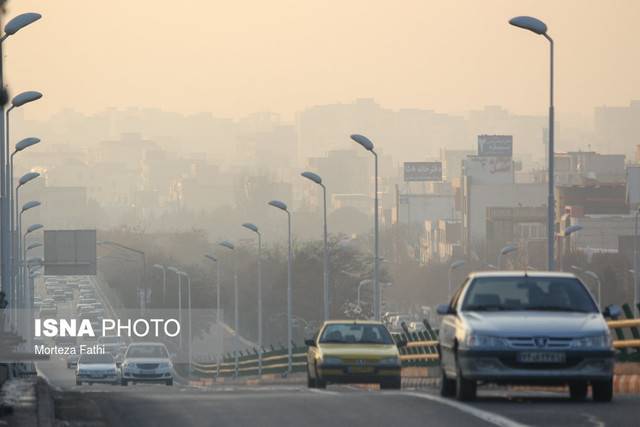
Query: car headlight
{"x": 394, "y": 361}
{"x": 595, "y": 341}
{"x": 487, "y": 341}
{"x": 331, "y": 360}
{"x": 165, "y": 365}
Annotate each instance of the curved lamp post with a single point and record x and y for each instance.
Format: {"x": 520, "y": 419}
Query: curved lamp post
{"x": 236, "y": 319}
{"x": 454, "y": 265}
{"x": 164, "y": 282}
{"x": 283, "y": 207}
{"x": 253, "y": 228}
{"x": 315, "y": 178}
{"x": 12, "y": 27}
{"x": 566, "y": 242}
{"x": 214, "y": 259}
{"x": 366, "y": 143}
{"x": 504, "y": 251}
{"x": 182, "y": 273}
{"x": 179, "y": 276}
{"x": 595, "y": 277}
{"x": 538, "y": 27}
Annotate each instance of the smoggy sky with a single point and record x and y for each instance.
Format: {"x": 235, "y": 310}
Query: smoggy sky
{"x": 237, "y": 57}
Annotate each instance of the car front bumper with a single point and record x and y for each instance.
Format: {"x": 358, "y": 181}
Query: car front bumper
{"x": 100, "y": 378}
{"x": 147, "y": 376}
{"x": 358, "y": 374}
{"x": 503, "y": 367}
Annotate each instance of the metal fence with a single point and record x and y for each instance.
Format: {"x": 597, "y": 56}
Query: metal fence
{"x": 420, "y": 350}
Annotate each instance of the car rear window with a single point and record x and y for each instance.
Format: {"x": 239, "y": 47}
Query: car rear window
{"x": 353, "y": 333}
{"x": 528, "y": 294}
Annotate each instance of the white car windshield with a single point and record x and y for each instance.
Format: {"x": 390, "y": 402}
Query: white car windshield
{"x": 88, "y": 359}
{"x": 528, "y": 294}
{"x": 147, "y": 351}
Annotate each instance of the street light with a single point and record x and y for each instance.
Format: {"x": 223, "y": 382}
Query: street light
{"x": 315, "y": 178}
{"x": 252, "y": 227}
{"x": 566, "y": 235}
{"x": 597, "y": 279}
{"x": 368, "y": 145}
{"x": 164, "y": 283}
{"x": 34, "y": 245}
{"x": 214, "y": 259}
{"x": 18, "y": 23}
{"x": 636, "y": 265}
{"x": 540, "y": 28}
{"x": 361, "y": 284}
{"x": 24, "y": 293}
{"x": 179, "y": 276}
{"x": 504, "y": 251}
{"x": 454, "y": 265}
{"x": 12, "y": 27}
{"x": 236, "y": 319}
{"x": 283, "y": 207}
{"x": 182, "y": 273}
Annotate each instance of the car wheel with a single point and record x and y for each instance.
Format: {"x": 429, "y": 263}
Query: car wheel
{"x": 602, "y": 390}
{"x": 465, "y": 389}
{"x": 170, "y": 382}
{"x": 393, "y": 384}
{"x": 447, "y": 385}
{"x": 124, "y": 383}
{"x": 578, "y": 390}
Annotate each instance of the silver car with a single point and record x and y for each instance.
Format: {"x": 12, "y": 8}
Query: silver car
{"x": 147, "y": 363}
{"x": 97, "y": 368}
{"x": 525, "y": 328}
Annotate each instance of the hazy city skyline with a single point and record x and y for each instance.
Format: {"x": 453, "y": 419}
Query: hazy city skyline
{"x": 287, "y": 56}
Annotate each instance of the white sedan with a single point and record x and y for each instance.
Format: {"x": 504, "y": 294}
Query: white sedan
{"x": 97, "y": 368}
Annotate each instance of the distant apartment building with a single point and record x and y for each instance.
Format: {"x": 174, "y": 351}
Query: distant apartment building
{"x": 592, "y": 199}
{"x": 441, "y": 241}
{"x": 617, "y": 129}
{"x": 489, "y": 182}
{"x": 514, "y": 225}
{"x": 633, "y": 186}
{"x": 452, "y": 163}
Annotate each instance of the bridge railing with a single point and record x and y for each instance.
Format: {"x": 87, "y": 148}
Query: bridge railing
{"x": 420, "y": 349}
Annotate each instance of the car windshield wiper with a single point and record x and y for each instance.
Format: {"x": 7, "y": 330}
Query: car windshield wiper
{"x": 332, "y": 342}
{"x": 485, "y": 308}
{"x": 554, "y": 308}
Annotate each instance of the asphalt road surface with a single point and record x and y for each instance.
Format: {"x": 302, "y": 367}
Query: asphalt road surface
{"x": 295, "y": 405}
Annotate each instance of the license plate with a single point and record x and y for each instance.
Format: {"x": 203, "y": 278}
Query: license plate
{"x": 360, "y": 370}
{"x": 541, "y": 357}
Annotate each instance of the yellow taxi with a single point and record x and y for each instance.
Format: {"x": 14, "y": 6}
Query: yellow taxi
{"x": 353, "y": 351}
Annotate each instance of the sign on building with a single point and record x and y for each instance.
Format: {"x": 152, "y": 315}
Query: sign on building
{"x": 69, "y": 252}
{"x": 495, "y": 145}
{"x": 422, "y": 171}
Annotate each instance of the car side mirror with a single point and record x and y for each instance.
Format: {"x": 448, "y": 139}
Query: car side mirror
{"x": 444, "y": 309}
{"x": 612, "y": 311}
{"x": 310, "y": 343}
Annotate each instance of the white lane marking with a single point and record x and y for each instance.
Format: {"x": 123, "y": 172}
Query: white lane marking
{"x": 325, "y": 392}
{"x": 490, "y": 417}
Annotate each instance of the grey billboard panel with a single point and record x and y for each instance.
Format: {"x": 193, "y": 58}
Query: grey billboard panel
{"x": 495, "y": 145}
{"x": 70, "y": 252}
{"x": 422, "y": 171}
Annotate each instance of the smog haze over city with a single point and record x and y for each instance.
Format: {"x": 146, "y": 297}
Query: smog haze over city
{"x": 295, "y": 211}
